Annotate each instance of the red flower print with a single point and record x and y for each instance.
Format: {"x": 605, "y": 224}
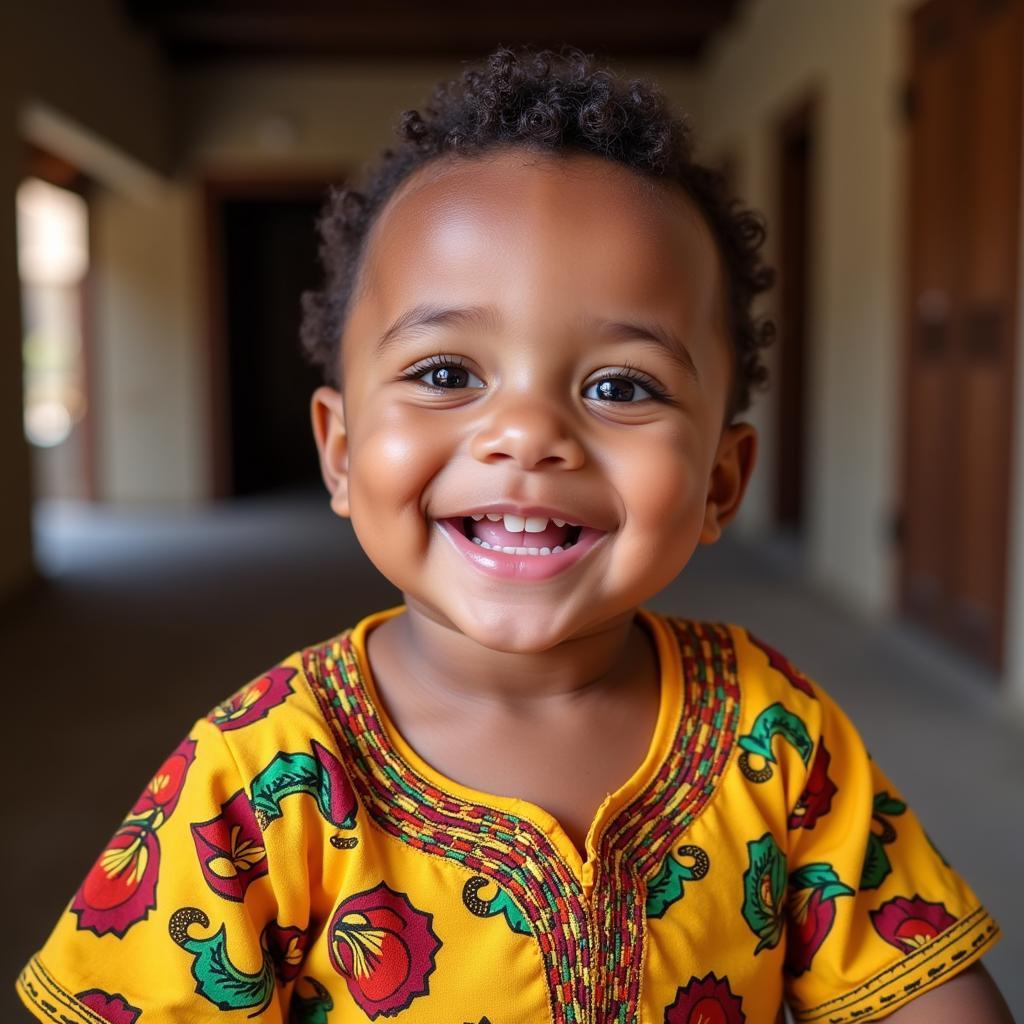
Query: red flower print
{"x": 709, "y": 1000}
{"x": 909, "y": 924}
{"x": 813, "y": 889}
{"x": 112, "y": 1008}
{"x": 783, "y": 665}
{"x": 816, "y": 799}
{"x": 165, "y": 787}
{"x": 120, "y": 889}
{"x": 230, "y": 848}
{"x": 287, "y": 948}
{"x": 254, "y": 700}
{"x": 384, "y": 948}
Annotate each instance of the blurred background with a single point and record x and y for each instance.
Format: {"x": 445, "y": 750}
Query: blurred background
{"x": 163, "y": 532}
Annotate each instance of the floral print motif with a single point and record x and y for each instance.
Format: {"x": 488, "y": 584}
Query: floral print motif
{"x": 909, "y": 924}
{"x": 876, "y": 861}
{"x": 319, "y": 775}
{"x": 287, "y": 949}
{"x": 254, "y": 700}
{"x": 310, "y": 1009}
{"x": 784, "y": 666}
{"x": 764, "y": 885}
{"x": 218, "y": 980}
{"x": 813, "y": 889}
{"x": 816, "y": 799}
{"x": 230, "y": 849}
{"x": 120, "y": 889}
{"x": 688, "y": 864}
{"x": 384, "y": 948}
{"x": 112, "y": 1008}
{"x": 707, "y": 1000}
{"x": 773, "y": 721}
{"x": 492, "y": 905}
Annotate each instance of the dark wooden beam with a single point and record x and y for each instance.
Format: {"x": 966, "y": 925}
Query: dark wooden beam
{"x": 205, "y": 30}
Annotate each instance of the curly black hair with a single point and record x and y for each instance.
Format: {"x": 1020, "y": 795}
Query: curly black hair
{"x": 555, "y": 103}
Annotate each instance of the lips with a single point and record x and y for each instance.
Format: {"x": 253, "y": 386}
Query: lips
{"x": 524, "y": 563}
{"x": 498, "y": 535}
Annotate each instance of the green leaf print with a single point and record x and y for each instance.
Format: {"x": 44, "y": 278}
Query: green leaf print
{"x": 500, "y": 903}
{"x": 885, "y": 804}
{"x": 288, "y": 774}
{"x": 764, "y": 884}
{"x": 877, "y": 866}
{"x": 667, "y": 885}
{"x": 310, "y": 1009}
{"x": 217, "y": 978}
{"x": 777, "y": 721}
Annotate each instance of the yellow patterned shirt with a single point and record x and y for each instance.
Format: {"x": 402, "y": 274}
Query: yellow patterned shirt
{"x": 295, "y": 860}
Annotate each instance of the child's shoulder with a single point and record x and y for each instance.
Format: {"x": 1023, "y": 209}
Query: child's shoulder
{"x": 284, "y": 708}
{"x": 777, "y": 701}
{"x": 756, "y": 667}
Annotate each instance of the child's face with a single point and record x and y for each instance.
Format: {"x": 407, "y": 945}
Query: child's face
{"x": 565, "y": 271}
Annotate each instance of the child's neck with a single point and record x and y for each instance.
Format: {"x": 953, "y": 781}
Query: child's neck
{"x": 455, "y": 668}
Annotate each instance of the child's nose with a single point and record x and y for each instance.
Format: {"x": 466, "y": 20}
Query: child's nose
{"x": 531, "y": 434}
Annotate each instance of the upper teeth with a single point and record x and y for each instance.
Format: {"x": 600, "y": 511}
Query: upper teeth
{"x": 519, "y": 524}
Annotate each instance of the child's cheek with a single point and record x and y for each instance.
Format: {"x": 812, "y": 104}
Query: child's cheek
{"x": 392, "y": 460}
{"x": 662, "y": 484}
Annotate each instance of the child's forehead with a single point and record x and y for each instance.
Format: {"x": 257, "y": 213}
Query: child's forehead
{"x": 580, "y": 225}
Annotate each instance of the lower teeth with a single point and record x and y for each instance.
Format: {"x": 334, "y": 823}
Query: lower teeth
{"x": 522, "y": 551}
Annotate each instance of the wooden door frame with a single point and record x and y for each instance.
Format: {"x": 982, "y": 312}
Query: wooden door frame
{"x": 217, "y": 190}
{"x": 801, "y": 118}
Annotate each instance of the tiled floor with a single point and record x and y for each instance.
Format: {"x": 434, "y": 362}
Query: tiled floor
{"x": 149, "y": 619}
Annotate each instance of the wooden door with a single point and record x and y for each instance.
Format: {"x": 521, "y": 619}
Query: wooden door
{"x": 964, "y": 205}
{"x": 262, "y": 254}
{"x": 796, "y": 159}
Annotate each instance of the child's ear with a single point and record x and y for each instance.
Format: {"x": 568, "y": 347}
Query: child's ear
{"x": 734, "y": 462}
{"x": 327, "y": 409}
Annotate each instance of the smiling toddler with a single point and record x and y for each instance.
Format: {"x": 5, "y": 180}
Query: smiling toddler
{"x": 520, "y": 797}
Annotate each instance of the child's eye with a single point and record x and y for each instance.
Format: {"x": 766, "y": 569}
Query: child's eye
{"x": 625, "y": 385}
{"x": 443, "y": 373}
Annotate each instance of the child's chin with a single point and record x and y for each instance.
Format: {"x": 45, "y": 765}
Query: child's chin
{"x": 513, "y": 629}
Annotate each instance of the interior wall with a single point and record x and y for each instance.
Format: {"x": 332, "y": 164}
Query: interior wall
{"x": 16, "y": 567}
{"x": 151, "y": 365}
{"x": 322, "y": 114}
{"x": 50, "y": 63}
{"x": 852, "y": 57}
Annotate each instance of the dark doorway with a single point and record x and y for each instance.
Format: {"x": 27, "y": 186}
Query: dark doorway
{"x": 964, "y": 109}
{"x": 796, "y": 158}
{"x": 265, "y": 244}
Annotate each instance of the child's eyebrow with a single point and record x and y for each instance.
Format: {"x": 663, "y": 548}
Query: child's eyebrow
{"x": 653, "y": 334}
{"x": 428, "y": 315}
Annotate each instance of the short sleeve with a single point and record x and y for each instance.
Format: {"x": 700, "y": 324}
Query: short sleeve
{"x": 176, "y": 920}
{"x": 875, "y": 915}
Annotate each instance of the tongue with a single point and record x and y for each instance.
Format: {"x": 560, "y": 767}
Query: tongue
{"x": 497, "y": 536}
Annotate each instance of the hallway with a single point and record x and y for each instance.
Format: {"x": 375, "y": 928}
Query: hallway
{"x": 150, "y": 618}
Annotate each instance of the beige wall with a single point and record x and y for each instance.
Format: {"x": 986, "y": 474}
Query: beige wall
{"x": 325, "y": 114}
{"x": 849, "y": 55}
{"x": 853, "y": 57}
{"x": 151, "y": 367}
{"x": 50, "y": 92}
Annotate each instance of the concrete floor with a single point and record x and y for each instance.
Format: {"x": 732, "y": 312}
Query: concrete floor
{"x": 146, "y": 619}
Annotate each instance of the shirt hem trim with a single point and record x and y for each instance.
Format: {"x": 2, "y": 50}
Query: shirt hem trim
{"x": 44, "y": 996}
{"x": 937, "y": 961}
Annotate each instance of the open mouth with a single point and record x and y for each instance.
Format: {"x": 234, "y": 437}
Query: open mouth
{"x": 518, "y": 535}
